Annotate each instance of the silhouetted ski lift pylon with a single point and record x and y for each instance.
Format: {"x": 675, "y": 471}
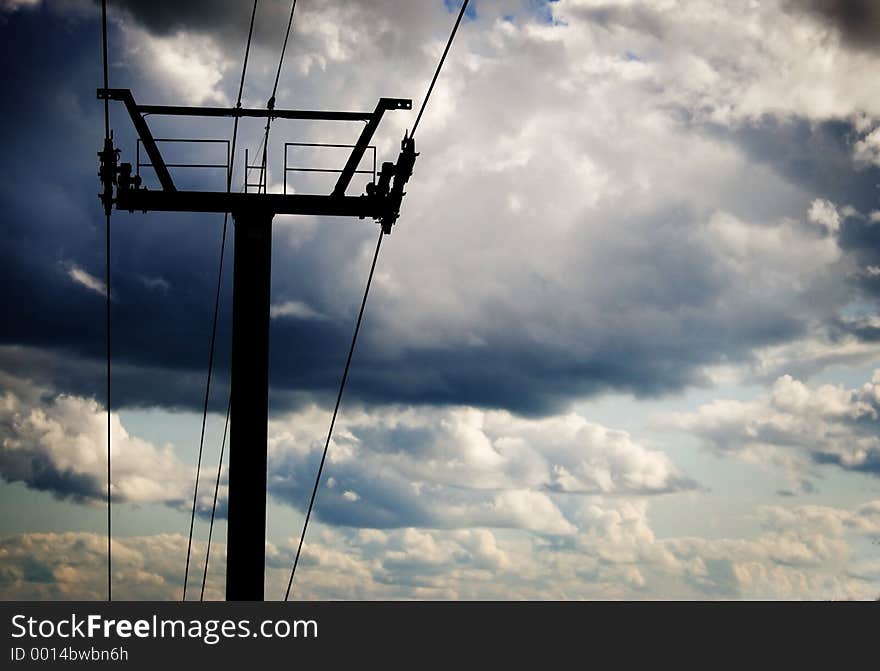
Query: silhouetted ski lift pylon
{"x": 253, "y": 214}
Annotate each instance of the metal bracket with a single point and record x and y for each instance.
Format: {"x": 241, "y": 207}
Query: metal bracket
{"x": 143, "y": 131}
{"x": 403, "y": 170}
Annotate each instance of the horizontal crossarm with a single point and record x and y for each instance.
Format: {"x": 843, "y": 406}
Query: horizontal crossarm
{"x": 212, "y": 201}
{"x": 169, "y": 199}
{"x": 308, "y": 115}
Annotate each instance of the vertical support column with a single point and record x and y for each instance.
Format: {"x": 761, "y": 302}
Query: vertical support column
{"x": 246, "y": 534}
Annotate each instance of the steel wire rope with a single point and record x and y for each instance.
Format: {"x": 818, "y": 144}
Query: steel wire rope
{"x": 107, "y": 139}
{"x": 358, "y": 323}
{"x": 264, "y": 181}
{"x": 229, "y": 174}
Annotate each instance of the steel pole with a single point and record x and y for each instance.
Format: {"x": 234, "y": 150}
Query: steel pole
{"x": 246, "y": 531}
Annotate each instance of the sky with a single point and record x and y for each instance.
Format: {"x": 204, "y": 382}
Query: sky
{"x": 623, "y": 342}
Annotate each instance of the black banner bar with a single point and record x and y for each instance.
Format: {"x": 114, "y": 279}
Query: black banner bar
{"x": 425, "y": 634}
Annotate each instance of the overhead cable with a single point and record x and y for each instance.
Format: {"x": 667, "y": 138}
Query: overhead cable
{"x": 358, "y": 324}
{"x": 229, "y": 173}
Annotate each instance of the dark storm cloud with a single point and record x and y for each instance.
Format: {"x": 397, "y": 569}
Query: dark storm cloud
{"x": 167, "y": 16}
{"x": 816, "y": 156}
{"x": 857, "y": 20}
{"x": 227, "y": 20}
{"x": 40, "y": 472}
{"x": 861, "y": 237}
{"x": 164, "y": 274}
{"x": 161, "y": 336}
{"x": 391, "y": 25}
{"x": 52, "y": 221}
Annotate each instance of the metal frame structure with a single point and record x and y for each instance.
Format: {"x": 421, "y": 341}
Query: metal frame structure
{"x": 252, "y": 214}
{"x": 374, "y": 204}
{"x": 288, "y": 169}
{"x": 139, "y": 164}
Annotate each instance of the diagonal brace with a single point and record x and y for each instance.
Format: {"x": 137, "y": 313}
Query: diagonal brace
{"x": 143, "y": 131}
{"x": 363, "y": 142}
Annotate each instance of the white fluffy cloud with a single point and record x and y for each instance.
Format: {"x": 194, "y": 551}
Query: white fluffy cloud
{"x": 825, "y": 214}
{"x": 595, "y": 215}
{"x": 730, "y": 62}
{"x": 867, "y": 149}
{"x": 456, "y": 467}
{"x": 460, "y": 467}
{"x": 294, "y": 309}
{"x": 72, "y": 566}
{"x": 189, "y": 67}
{"x": 805, "y": 552}
{"x": 87, "y": 280}
{"x": 794, "y": 425}
{"x": 57, "y": 443}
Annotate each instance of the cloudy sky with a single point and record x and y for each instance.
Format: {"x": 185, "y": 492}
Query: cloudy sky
{"x": 623, "y": 343}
